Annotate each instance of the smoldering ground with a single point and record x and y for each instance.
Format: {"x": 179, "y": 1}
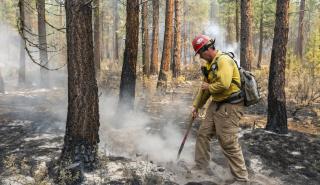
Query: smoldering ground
{"x": 133, "y": 133}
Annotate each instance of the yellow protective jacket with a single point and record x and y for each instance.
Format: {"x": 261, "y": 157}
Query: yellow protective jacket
{"x": 222, "y": 70}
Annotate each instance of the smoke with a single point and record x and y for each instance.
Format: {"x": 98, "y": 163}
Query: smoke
{"x": 9, "y": 54}
{"x": 10, "y": 60}
{"x": 130, "y": 133}
{"x": 213, "y": 30}
{"x": 134, "y": 133}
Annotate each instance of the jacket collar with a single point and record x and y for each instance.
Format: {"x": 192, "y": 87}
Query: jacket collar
{"x": 214, "y": 60}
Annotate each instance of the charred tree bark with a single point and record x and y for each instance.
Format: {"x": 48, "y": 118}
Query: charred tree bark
{"x": 42, "y": 33}
{"x": 246, "y": 50}
{"x": 145, "y": 39}
{"x": 81, "y": 137}
{"x": 115, "y": 31}
{"x": 261, "y": 36}
{"x": 166, "y": 53}
{"x": 1, "y": 83}
{"x": 299, "y": 43}
{"x": 237, "y": 21}
{"x": 96, "y": 33}
{"x": 22, "y": 67}
{"x": 177, "y": 40}
{"x": 277, "y": 113}
{"x": 155, "y": 38}
{"x": 128, "y": 74}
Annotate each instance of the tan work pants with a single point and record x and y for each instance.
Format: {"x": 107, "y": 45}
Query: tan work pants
{"x": 223, "y": 123}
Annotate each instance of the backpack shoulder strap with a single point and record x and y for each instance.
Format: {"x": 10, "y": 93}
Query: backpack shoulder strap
{"x": 231, "y": 55}
{"x": 237, "y": 83}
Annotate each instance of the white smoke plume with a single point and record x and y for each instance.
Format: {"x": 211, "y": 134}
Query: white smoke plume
{"x": 132, "y": 134}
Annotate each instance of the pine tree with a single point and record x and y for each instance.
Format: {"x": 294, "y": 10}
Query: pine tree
{"x": 81, "y": 137}
{"x": 166, "y": 53}
{"x": 277, "y": 113}
{"x": 128, "y": 74}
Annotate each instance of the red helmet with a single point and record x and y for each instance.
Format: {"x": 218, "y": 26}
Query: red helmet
{"x": 200, "y": 41}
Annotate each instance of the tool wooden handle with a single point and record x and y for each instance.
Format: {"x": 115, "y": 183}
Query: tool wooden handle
{"x": 185, "y": 136}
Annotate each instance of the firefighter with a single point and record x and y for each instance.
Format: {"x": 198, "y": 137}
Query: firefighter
{"x": 221, "y": 83}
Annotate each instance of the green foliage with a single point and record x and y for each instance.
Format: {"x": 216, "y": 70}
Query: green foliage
{"x": 8, "y": 12}
{"x": 268, "y": 13}
{"x": 302, "y": 82}
{"x": 197, "y": 12}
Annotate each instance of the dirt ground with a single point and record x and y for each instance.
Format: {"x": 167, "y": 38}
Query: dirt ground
{"x": 32, "y": 125}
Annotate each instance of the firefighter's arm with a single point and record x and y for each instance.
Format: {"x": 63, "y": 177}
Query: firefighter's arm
{"x": 224, "y": 77}
{"x": 201, "y": 98}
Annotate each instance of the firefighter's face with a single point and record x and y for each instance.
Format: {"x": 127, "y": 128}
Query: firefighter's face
{"x": 206, "y": 54}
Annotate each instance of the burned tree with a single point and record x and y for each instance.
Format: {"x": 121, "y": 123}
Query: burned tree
{"x": 42, "y": 34}
{"x": 115, "y": 31}
{"x": 81, "y": 137}
{"x": 246, "y": 50}
{"x": 166, "y": 53}
{"x": 177, "y": 40}
{"x": 96, "y": 33}
{"x": 128, "y": 74}
{"x": 299, "y": 43}
{"x": 260, "y": 35}
{"x": 22, "y": 68}
{"x": 155, "y": 38}
{"x": 145, "y": 39}
{"x": 277, "y": 113}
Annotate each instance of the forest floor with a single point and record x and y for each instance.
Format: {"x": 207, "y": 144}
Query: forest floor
{"x": 141, "y": 148}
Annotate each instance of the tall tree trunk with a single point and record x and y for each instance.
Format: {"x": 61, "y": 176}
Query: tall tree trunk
{"x": 246, "y": 50}
{"x": 185, "y": 35}
{"x": 155, "y": 38}
{"x": 115, "y": 31}
{"x": 96, "y": 33}
{"x": 172, "y": 49}
{"x": 185, "y": 45}
{"x": 42, "y": 32}
{"x": 260, "y": 35}
{"x": 107, "y": 44}
{"x": 166, "y": 53}
{"x": 212, "y": 11}
{"x": 128, "y": 74}
{"x": 190, "y": 50}
{"x": 229, "y": 30}
{"x": 102, "y": 33}
{"x": 1, "y": 83}
{"x": 22, "y": 67}
{"x": 81, "y": 137}
{"x": 299, "y": 43}
{"x": 62, "y": 37}
{"x": 237, "y": 21}
{"x": 145, "y": 39}
{"x": 277, "y": 113}
{"x": 177, "y": 40}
